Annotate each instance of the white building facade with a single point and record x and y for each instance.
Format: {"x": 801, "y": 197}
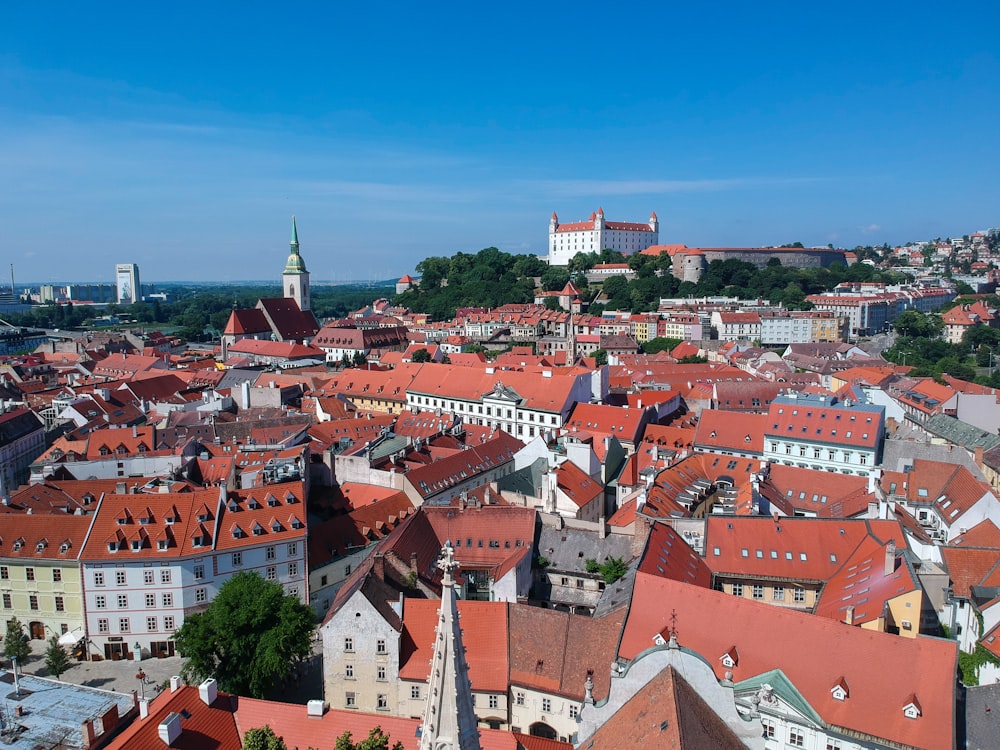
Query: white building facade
{"x": 596, "y": 234}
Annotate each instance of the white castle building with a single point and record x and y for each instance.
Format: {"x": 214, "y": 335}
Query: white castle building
{"x": 596, "y": 234}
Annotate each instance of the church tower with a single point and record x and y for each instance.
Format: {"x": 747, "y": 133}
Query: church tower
{"x": 295, "y": 277}
{"x": 449, "y": 717}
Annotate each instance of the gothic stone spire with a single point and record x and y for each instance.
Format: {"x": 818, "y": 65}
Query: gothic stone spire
{"x": 449, "y": 716}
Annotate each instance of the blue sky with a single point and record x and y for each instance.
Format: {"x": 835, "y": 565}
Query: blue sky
{"x": 184, "y": 139}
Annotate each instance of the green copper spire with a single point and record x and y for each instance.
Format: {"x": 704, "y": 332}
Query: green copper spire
{"x": 295, "y": 264}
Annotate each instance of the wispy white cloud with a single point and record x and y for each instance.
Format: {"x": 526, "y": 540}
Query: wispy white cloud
{"x": 870, "y": 229}
{"x": 580, "y": 188}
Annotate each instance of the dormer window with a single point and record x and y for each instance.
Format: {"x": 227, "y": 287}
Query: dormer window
{"x": 87, "y": 498}
{"x": 18, "y": 544}
{"x": 258, "y": 529}
{"x": 912, "y": 708}
{"x": 275, "y": 527}
{"x": 162, "y": 544}
{"x": 198, "y": 541}
{"x": 147, "y": 518}
{"x": 238, "y": 532}
{"x": 840, "y": 691}
{"x": 296, "y": 523}
{"x": 233, "y": 506}
{"x": 64, "y": 548}
{"x": 40, "y": 547}
{"x": 112, "y": 546}
{"x": 253, "y": 504}
{"x": 136, "y": 545}
{"x": 290, "y": 499}
{"x": 272, "y": 500}
{"x": 731, "y": 658}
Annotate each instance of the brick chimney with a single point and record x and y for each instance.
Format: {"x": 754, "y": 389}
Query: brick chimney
{"x": 378, "y": 566}
{"x": 849, "y": 615}
{"x": 890, "y": 557}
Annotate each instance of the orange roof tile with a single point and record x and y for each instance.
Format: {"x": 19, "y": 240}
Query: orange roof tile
{"x": 484, "y": 625}
{"x": 883, "y": 670}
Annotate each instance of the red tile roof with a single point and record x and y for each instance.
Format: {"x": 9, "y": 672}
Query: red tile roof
{"x": 968, "y": 567}
{"x": 883, "y": 670}
{"x": 795, "y": 549}
{"x": 202, "y": 727}
{"x": 794, "y": 490}
{"x": 669, "y": 556}
{"x": 484, "y": 626}
{"x": 724, "y": 431}
{"x": 55, "y": 536}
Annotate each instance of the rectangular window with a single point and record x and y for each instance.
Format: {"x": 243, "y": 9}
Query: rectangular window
{"x": 380, "y": 646}
{"x": 269, "y": 553}
{"x": 737, "y": 589}
{"x": 271, "y": 573}
{"x": 799, "y": 596}
{"x": 574, "y": 711}
{"x": 199, "y": 572}
{"x": 758, "y": 592}
{"x": 147, "y": 577}
{"x": 120, "y": 578}
{"x": 519, "y": 699}
{"x": 168, "y": 623}
{"x": 200, "y": 595}
{"x": 380, "y": 673}
{"x": 778, "y": 593}
{"x": 293, "y": 549}
{"x": 382, "y": 702}
{"x": 293, "y": 569}
{"x": 494, "y": 701}
{"x": 56, "y": 575}
{"x": 29, "y": 573}
{"x": 123, "y": 601}
{"x": 832, "y": 745}
{"x": 151, "y": 624}
{"x": 168, "y": 599}
{"x": 7, "y": 604}
{"x": 4, "y": 573}
{"x": 123, "y": 625}
{"x": 349, "y": 699}
{"x": 102, "y": 625}
{"x": 546, "y": 705}
{"x": 796, "y": 738}
{"x": 60, "y": 604}
{"x": 237, "y": 559}
{"x": 33, "y": 602}
{"x": 100, "y": 602}
{"x": 348, "y": 644}
{"x": 768, "y": 727}
{"x": 150, "y": 600}
{"x": 349, "y": 671}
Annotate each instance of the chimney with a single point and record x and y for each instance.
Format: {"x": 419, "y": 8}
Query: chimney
{"x": 121, "y": 488}
{"x": 378, "y": 566}
{"x": 890, "y": 557}
{"x": 209, "y": 691}
{"x": 170, "y": 729}
{"x": 143, "y": 708}
{"x": 413, "y": 561}
{"x": 979, "y": 455}
{"x": 315, "y": 708}
{"x": 849, "y": 615}
{"x": 175, "y": 684}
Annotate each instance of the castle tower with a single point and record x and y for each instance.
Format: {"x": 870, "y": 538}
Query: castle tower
{"x": 449, "y": 717}
{"x": 654, "y": 223}
{"x": 295, "y": 277}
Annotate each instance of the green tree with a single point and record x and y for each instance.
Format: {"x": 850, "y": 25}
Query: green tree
{"x": 376, "y": 740}
{"x": 56, "y": 659}
{"x": 421, "y": 355}
{"x": 359, "y": 359}
{"x": 15, "y": 643}
{"x": 611, "y": 569}
{"x": 249, "y": 638}
{"x": 600, "y": 357}
{"x": 263, "y": 738}
{"x": 660, "y": 344}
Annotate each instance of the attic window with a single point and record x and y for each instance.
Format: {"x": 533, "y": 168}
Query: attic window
{"x": 272, "y": 500}
{"x": 136, "y": 545}
{"x": 258, "y": 529}
{"x": 40, "y": 547}
{"x": 161, "y": 544}
{"x": 18, "y": 544}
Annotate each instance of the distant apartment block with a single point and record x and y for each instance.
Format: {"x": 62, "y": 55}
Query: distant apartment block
{"x": 127, "y": 283}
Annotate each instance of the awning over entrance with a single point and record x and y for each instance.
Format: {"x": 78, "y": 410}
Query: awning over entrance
{"x": 70, "y": 637}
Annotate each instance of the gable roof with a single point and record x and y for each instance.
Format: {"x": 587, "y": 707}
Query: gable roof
{"x": 883, "y": 670}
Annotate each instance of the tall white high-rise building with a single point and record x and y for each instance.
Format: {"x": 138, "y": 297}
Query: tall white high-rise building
{"x": 596, "y": 234}
{"x": 127, "y": 283}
